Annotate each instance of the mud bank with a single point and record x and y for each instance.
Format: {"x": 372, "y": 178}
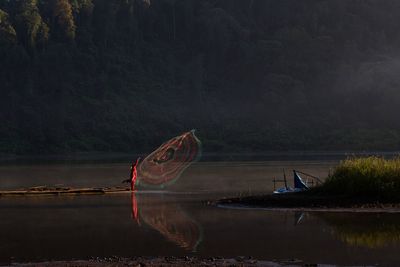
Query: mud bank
{"x": 310, "y": 202}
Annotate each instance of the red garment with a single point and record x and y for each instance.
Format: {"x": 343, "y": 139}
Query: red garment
{"x": 135, "y": 210}
{"x": 134, "y": 174}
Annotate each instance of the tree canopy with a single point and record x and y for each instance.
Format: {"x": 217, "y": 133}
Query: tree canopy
{"x": 256, "y": 75}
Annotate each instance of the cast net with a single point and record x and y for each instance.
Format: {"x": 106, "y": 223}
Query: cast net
{"x": 166, "y": 164}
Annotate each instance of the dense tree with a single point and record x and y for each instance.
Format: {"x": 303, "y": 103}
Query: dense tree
{"x": 124, "y": 75}
{"x": 8, "y": 36}
{"x": 29, "y": 24}
{"x": 62, "y": 17}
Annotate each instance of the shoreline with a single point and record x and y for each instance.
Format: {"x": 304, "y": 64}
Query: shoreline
{"x": 170, "y": 261}
{"x": 310, "y": 203}
{"x": 304, "y": 209}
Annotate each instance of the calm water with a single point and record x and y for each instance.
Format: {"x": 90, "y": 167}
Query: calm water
{"x": 178, "y": 223}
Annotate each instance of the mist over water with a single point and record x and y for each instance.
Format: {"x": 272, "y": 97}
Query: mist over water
{"x": 201, "y": 177}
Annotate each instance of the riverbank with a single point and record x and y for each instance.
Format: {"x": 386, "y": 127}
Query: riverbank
{"x": 369, "y": 183}
{"x": 306, "y": 201}
{"x": 167, "y": 262}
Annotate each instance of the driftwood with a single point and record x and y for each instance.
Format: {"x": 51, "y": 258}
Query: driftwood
{"x": 44, "y": 190}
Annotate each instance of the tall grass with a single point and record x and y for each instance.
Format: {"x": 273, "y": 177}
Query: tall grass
{"x": 367, "y": 177}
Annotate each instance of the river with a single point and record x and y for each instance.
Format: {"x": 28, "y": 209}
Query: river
{"x": 177, "y": 221}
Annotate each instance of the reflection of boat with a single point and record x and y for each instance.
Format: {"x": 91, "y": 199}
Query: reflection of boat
{"x": 298, "y": 182}
{"x": 298, "y": 217}
{"x": 168, "y": 218}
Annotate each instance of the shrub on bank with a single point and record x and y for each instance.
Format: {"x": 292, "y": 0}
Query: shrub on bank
{"x": 365, "y": 177}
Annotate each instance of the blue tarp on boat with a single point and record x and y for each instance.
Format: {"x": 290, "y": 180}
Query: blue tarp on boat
{"x": 298, "y": 182}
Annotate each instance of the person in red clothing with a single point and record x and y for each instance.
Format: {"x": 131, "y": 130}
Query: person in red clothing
{"x": 133, "y": 175}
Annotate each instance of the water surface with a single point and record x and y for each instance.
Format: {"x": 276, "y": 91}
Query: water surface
{"x": 177, "y": 222}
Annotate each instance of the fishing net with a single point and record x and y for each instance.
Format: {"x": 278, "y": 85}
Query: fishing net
{"x": 166, "y": 164}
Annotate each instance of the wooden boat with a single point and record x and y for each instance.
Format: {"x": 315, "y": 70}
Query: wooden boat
{"x": 299, "y": 183}
{"x": 55, "y": 191}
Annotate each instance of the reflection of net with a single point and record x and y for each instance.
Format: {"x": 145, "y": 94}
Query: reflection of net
{"x": 166, "y": 164}
{"x": 171, "y": 221}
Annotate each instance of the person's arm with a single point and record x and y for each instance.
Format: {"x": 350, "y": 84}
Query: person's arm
{"x": 130, "y": 176}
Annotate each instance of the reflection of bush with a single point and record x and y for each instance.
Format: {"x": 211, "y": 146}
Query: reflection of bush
{"x": 364, "y": 230}
{"x": 371, "y": 239}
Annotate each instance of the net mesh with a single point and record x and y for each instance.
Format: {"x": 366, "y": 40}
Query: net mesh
{"x": 166, "y": 164}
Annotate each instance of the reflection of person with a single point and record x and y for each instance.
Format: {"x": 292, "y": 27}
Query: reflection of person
{"x": 135, "y": 210}
{"x": 133, "y": 174}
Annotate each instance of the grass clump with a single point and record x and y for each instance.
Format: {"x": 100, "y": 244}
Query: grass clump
{"x": 372, "y": 177}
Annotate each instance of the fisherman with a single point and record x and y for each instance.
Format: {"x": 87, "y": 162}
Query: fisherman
{"x": 133, "y": 174}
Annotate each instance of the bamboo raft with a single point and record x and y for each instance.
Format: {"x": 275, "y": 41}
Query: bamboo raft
{"x": 57, "y": 191}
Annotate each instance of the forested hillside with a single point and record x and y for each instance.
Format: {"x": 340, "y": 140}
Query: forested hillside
{"x": 249, "y": 75}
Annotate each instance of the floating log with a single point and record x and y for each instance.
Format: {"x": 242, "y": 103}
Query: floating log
{"x": 43, "y": 190}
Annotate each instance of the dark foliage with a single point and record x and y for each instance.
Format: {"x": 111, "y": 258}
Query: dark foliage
{"x": 253, "y": 75}
{"x": 373, "y": 177}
